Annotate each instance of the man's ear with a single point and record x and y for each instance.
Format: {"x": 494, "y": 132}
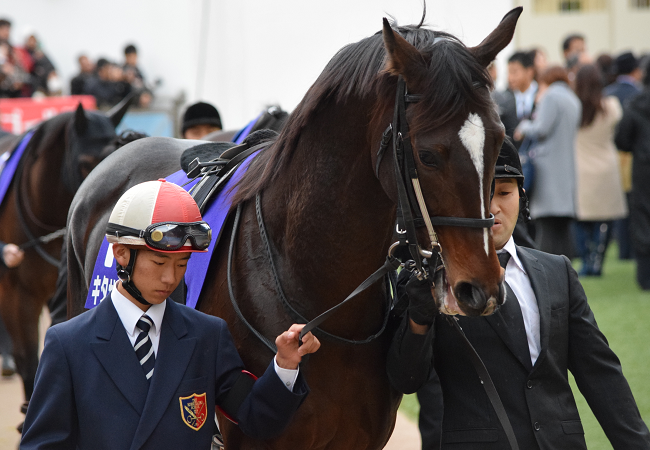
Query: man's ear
{"x": 122, "y": 254}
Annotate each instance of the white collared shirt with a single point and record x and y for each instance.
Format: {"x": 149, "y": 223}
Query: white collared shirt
{"x": 525, "y": 100}
{"x": 129, "y": 314}
{"x": 518, "y": 280}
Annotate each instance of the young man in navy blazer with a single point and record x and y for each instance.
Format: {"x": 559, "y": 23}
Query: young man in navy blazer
{"x": 544, "y": 329}
{"x": 141, "y": 372}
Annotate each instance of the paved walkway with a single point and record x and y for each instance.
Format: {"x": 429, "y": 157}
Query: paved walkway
{"x": 405, "y": 436}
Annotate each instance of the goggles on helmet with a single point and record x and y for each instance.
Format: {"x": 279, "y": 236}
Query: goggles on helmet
{"x": 168, "y": 236}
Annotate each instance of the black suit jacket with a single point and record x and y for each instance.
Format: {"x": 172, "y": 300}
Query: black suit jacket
{"x": 91, "y": 392}
{"x": 538, "y": 399}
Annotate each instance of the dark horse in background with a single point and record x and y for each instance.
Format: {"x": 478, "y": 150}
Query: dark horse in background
{"x": 330, "y": 219}
{"x": 60, "y": 154}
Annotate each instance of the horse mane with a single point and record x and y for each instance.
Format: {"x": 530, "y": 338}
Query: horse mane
{"x": 358, "y": 71}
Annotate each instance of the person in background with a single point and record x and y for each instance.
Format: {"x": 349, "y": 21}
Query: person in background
{"x": 600, "y": 193}
{"x": 44, "y": 76}
{"x": 574, "y": 49}
{"x": 14, "y": 66}
{"x": 133, "y": 76}
{"x": 540, "y": 61}
{"x": 552, "y": 202}
{"x": 633, "y": 136}
{"x": 107, "y": 85}
{"x": 506, "y": 104}
{"x": 199, "y": 120}
{"x": 624, "y": 88}
{"x": 12, "y": 256}
{"x": 521, "y": 80}
{"x": 605, "y": 64}
{"x": 86, "y": 71}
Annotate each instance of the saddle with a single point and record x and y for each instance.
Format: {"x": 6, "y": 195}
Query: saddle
{"x": 215, "y": 163}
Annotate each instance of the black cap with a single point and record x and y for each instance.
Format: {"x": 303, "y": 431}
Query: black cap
{"x": 626, "y": 63}
{"x": 508, "y": 163}
{"x": 201, "y": 114}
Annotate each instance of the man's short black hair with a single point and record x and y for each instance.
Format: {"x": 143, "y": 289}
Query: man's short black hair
{"x": 5, "y": 23}
{"x": 130, "y": 49}
{"x": 570, "y": 38}
{"x": 526, "y": 59}
{"x": 101, "y": 62}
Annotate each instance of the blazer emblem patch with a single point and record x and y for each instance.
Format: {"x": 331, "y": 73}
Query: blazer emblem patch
{"x": 194, "y": 410}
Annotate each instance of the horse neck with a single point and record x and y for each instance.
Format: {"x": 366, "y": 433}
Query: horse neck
{"x": 328, "y": 214}
{"x": 46, "y": 196}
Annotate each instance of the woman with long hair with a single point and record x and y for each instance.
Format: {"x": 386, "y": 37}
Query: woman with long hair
{"x": 600, "y": 198}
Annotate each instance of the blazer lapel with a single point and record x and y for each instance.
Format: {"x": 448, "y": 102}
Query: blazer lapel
{"x": 508, "y": 330}
{"x": 174, "y": 354}
{"x": 539, "y": 282}
{"x": 115, "y": 353}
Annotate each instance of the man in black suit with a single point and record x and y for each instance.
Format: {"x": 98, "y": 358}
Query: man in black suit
{"x": 544, "y": 329}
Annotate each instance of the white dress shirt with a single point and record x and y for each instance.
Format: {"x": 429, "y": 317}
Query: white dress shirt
{"x": 130, "y": 313}
{"x": 525, "y": 100}
{"x": 518, "y": 280}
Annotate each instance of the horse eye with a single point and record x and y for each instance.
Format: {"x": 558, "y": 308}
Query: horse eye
{"x": 429, "y": 159}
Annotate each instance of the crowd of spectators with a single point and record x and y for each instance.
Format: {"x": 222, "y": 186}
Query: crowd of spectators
{"x": 26, "y": 71}
{"x": 582, "y": 129}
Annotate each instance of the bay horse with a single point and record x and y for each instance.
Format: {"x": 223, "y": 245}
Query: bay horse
{"x": 59, "y": 155}
{"x": 330, "y": 218}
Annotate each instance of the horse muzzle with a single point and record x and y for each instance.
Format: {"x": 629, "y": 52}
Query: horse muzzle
{"x": 466, "y": 298}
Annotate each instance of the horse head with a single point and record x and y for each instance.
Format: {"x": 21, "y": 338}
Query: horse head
{"x": 88, "y": 135}
{"x": 455, "y": 135}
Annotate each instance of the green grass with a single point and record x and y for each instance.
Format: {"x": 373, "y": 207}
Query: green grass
{"x": 622, "y": 311}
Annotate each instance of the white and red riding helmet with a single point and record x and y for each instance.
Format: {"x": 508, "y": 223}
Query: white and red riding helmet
{"x": 160, "y": 216}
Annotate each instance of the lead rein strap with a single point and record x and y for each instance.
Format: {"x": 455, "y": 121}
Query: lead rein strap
{"x": 488, "y": 385}
{"x": 391, "y": 264}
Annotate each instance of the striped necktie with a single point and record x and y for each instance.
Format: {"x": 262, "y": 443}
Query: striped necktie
{"x": 143, "y": 347}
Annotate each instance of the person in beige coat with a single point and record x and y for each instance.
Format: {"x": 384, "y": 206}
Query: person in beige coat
{"x": 600, "y": 199}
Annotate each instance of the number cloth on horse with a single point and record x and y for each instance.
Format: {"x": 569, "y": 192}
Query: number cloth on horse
{"x": 11, "y": 164}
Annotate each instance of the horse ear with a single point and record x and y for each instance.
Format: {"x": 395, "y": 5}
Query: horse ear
{"x": 403, "y": 58}
{"x": 116, "y": 113}
{"x": 80, "y": 120}
{"x": 487, "y": 50}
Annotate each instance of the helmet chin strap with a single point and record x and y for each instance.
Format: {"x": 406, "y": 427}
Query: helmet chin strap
{"x": 124, "y": 274}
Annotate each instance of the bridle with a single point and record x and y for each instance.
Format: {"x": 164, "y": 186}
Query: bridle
{"x": 412, "y": 210}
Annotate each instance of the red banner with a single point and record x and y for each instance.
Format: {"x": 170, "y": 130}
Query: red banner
{"x": 20, "y": 114}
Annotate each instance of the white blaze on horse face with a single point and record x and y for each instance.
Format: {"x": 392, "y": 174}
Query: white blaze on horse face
{"x": 472, "y": 135}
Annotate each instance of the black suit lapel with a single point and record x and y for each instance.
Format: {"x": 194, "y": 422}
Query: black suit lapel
{"x": 510, "y": 328}
{"x": 539, "y": 282}
{"x": 115, "y": 353}
{"x": 174, "y": 354}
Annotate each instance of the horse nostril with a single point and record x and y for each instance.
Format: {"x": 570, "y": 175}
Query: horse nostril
{"x": 502, "y": 293}
{"x": 470, "y": 295}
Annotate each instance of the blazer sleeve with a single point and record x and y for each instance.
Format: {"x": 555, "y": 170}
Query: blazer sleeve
{"x": 410, "y": 356}
{"x": 269, "y": 407}
{"x": 599, "y": 376}
{"x": 625, "y": 132}
{"x": 51, "y": 420}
